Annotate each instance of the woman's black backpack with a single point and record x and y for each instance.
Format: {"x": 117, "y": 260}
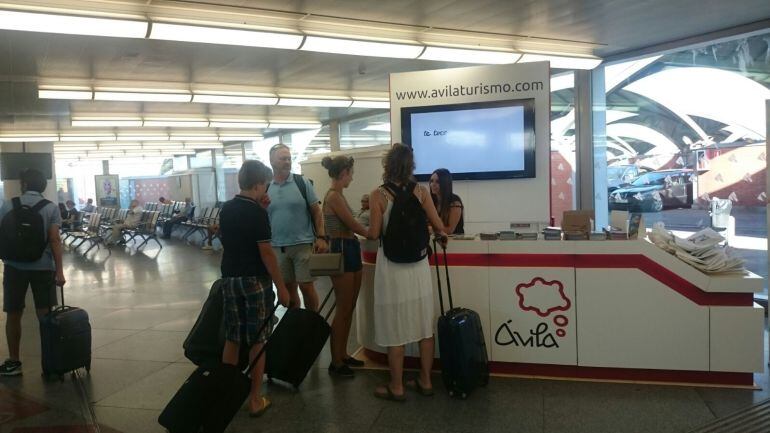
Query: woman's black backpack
{"x": 406, "y": 237}
{"x": 22, "y": 232}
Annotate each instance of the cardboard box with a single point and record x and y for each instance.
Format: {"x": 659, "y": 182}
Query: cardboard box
{"x": 578, "y": 221}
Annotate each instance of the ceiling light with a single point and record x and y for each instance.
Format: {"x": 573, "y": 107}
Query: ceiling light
{"x": 294, "y": 125}
{"x": 64, "y": 93}
{"x": 72, "y": 25}
{"x": 203, "y": 146}
{"x": 240, "y": 137}
{"x": 142, "y": 96}
{"x": 178, "y": 137}
{"x": 307, "y": 102}
{"x": 562, "y": 62}
{"x": 361, "y": 103}
{"x": 361, "y": 48}
{"x": 178, "y": 152}
{"x": 163, "y": 146}
{"x": 28, "y": 138}
{"x": 243, "y": 125}
{"x": 184, "y": 123}
{"x": 100, "y": 137}
{"x": 87, "y": 121}
{"x": 73, "y": 149}
{"x": 216, "y": 35}
{"x": 141, "y": 137}
{"x": 233, "y": 99}
{"x": 468, "y": 56}
{"x": 120, "y": 146}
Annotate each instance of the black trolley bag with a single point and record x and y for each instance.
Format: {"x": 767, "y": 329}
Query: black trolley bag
{"x": 461, "y": 343}
{"x": 206, "y": 340}
{"x": 296, "y": 342}
{"x": 209, "y": 399}
{"x": 65, "y": 340}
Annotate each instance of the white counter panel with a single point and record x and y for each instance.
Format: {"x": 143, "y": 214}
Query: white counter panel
{"x": 628, "y": 320}
{"x": 533, "y": 315}
{"x": 736, "y": 333}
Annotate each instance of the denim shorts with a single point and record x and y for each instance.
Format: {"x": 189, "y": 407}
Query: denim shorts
{"x": 351, "y": 253}
{"x": 248, "y": 302}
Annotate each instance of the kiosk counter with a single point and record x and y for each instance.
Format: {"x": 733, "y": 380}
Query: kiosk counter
{"x": 605, "y": 310}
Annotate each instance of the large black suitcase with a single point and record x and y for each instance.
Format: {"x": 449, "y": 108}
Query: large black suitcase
{"x": 65, "y": 340}
{"x": 212, "y": 395}
{"x": 461, "y": 343}
{"x": 206, "y": 340}
{"x": 296, "y": 342}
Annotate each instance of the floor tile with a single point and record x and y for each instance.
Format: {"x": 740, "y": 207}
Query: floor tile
{"x": 129, "y": 420}
{"x": 145, "y": 346}
{"x": 152, "y": 392}
{"x": 135, "y": 318}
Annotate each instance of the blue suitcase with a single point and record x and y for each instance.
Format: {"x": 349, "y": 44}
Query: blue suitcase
{"x": 461, "y": 343}
{"x": 65, "y": 340}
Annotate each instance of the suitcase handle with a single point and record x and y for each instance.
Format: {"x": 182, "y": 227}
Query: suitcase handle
{"x": 438, "y": 277}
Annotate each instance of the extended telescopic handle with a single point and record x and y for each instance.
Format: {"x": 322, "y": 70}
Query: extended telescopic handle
{"x": 438, "y": 276}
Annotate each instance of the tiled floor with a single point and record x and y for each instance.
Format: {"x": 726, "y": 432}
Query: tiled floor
{"x": 142, "y": 305}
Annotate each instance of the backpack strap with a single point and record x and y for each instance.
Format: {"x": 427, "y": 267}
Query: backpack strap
{"x": 300, "y": 182}
{"x": 40, "y": 205}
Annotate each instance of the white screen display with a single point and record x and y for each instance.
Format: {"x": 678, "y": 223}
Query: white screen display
{"x": 470, "y": 141}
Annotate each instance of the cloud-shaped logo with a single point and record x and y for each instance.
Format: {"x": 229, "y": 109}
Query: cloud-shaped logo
{"x": 542, "y": 297}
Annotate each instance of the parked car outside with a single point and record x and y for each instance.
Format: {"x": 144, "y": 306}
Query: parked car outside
{"x": 655, "y": 191}
{"x": 619, "y": 175}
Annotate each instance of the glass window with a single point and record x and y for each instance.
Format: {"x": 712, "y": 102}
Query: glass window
{"x": 562, "y": 144}
{"x": 690, "y": 127}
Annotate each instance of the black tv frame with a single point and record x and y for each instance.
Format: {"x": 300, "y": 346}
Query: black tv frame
{"x": 37, "y": 160}
{"x": 529, "y": 127}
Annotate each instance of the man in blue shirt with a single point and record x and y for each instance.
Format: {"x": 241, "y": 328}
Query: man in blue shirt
{"x": 43, "y": 275}
{"x": 297, "y": 227}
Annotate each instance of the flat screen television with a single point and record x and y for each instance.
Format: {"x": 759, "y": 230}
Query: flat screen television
{"x": 12, "y": 164}
{"x": 474, "y": 141}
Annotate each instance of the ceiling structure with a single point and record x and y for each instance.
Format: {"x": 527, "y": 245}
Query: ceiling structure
{"x": 29, "y": 60}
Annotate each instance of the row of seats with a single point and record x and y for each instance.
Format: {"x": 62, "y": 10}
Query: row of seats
{"x": 96, "y": 226}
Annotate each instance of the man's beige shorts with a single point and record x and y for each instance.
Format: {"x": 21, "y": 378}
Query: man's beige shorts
{"x": 294, "y": 262}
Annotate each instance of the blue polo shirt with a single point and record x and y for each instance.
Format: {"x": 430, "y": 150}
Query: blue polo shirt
{"x": 51, "y": 216}
{"x": 290, "y": 220}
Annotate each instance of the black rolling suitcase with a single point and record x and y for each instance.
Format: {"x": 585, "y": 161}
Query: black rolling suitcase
{"x": 461, "y": 343}
{"x": 65, "y": 340}
{"x": 206, "y": 340}
{"x": 296, "y": 343}
{"x": 209, "y": 399}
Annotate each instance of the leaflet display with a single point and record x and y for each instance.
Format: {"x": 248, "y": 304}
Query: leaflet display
{"x": 480, "y": 140}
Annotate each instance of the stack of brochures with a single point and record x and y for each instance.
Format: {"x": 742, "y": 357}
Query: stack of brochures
{"x": 616, "y": 233}
{"x": 702, "y": 250}
{"x": 552, "y": 234}
{"x": 526, "y": 236}
{"x": 507, "y": 235}
{"x": 598, "y": 236}
{"x": 488, "y": 236}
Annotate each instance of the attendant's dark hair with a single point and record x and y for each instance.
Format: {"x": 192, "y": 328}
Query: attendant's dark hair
{"x": 398, "y": 164}
{"x": 335, "y": 166}
{"x": 32, "y": 180}
{"x": 445, "y": 193}
{"x": 253, "y": 173}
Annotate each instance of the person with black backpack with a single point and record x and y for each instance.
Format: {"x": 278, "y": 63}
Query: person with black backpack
{"x": 30, "y": 247}
{"x": 404, "y": 310}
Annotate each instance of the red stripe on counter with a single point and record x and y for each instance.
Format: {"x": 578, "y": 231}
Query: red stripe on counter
{"x": 595, "y": 373}
{"x": 664, "y": 276}
{"x": 596, "y": 261}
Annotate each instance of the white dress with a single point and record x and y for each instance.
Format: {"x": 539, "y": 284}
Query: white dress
{"x": 403, "y": 298}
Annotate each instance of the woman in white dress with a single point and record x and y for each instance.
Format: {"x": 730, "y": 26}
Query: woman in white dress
{"x": 404, "y": 309}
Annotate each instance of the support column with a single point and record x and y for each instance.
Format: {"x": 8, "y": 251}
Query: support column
{"x": 243, "y": 151}
{"x": 334, "y": 135}
{"x": 105, "y": 166}
{"x": 590, "y": 143}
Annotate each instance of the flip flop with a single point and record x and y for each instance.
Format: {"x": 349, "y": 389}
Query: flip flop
{"x": 265, "y": 406}
{"x": 388, "y": 395}
{"x": 415, "y": 384}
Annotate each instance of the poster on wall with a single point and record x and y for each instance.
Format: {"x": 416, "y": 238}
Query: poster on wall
{"x": 107, "y": 190}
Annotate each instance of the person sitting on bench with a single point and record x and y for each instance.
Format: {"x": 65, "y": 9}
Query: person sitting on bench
{"x": 180, "y": 217}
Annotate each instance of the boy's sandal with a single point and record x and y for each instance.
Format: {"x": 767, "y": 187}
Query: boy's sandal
{"x": 415, "y": 385}
{"x": 265, "y": 406}
{"x": 388, "y": 394}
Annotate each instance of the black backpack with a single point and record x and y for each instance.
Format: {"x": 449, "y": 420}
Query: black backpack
{"x": 406, "y": 238}
{"x": 22, "y": 232}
